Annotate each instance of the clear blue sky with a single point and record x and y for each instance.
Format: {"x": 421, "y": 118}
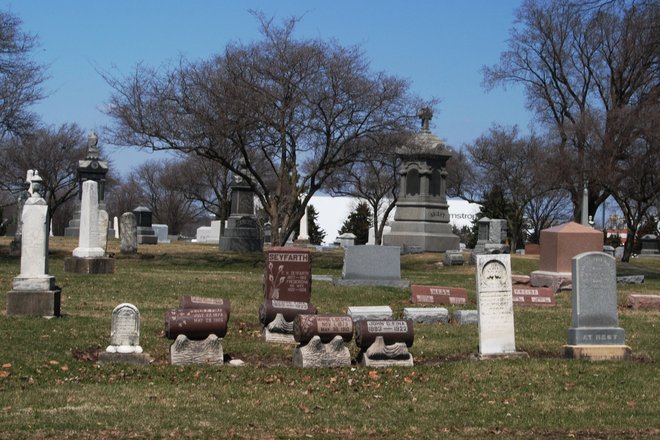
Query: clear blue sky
{"x": 439, "y": 45}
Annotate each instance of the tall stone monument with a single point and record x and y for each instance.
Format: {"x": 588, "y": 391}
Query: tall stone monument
{"x": 242, "y": 231}
{"x": 92, "y": 167}
{"x": 145, "y": 233}
{"x": 595, "y": 333}
{"x": 89, "y": 256}
{"x": 34, "y": 292}
{"x": 421, "y": 219}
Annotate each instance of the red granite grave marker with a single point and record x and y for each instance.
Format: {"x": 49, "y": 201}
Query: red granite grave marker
{"x": 438, "y": 295}
{"x": 533, "y": 296}
{"x": 288, "y": 274}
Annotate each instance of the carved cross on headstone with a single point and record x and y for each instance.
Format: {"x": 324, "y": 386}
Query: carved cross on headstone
{"x": 425, "y": 114}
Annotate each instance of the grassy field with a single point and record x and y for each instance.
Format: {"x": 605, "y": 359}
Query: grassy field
{"x": 52, "y": 387}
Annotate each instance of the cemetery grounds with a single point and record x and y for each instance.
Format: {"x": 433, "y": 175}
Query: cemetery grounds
{"x": 52, "y": 387}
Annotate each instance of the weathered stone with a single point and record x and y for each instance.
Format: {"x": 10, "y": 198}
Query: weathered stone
{"x": 495, "y": 305}
{"x": 185, "y": 352}
{"x": 161, "y": 233}
{"x": 317, "y": 354}
{"x": 128, "y": 233}
{"x": 630, "y": 279}
{"x": 426, "y": 315}
{"x": 453, "y": 258}
{"x": 465, "y": 317}
{"x": 195, "y": 323}
{"x": 391, "y": 331}
{"x": 88, "y": 242}
{"x": 637, "y": 301}
{"x": 380, "y": 355}
{"x": 358, "y": 313}
{"x": 125, "y": 330}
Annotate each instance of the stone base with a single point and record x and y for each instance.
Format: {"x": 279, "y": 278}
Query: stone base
{"x": 495, "y": 356}
{"x": 279, "y": 338}
{"x": 636, "y": 301}
{"x": 555, "y": 280}
{"x": 597, "y": 352}
{"x": 596, "y": 336}
{"x": 429, "y": 242}
{"x": 316, "y": 354}
{"x": 147, "y": 239}
{"x": 185, "y": 352}
{"x": 34, "y": 302}
{"x": 466, "y": 317}
{"x": 381, "y": 355}
{"x": 89, "y": 265}
{"x": 399, "y": 284}
{"x": 238, "y": 243}
{"x": 125, "y": 358}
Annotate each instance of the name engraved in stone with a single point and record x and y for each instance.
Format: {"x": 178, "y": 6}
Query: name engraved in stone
{"x": 541, "y": 299}
{"x": 439, "y": 291}
{"x": 202, "y": 300}
{"x": 425, "y": 298}
{"x": 334, "y": 324}
{"x": 387, "y": 326}
{"x": 456, "y": 300}
{"x": 303, "y": 257}
{"x": 525, "y": 291}
{"x": 495, "y": 312}
{"x": 290, "y": 305}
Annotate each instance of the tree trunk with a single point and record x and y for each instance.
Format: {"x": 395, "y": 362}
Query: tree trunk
{"x": 629, "y": 246}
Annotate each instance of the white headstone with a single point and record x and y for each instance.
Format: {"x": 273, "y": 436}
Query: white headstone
{"x": 88, "y": 242}
{"x": 495, "y": 305}
{"x": 125, "y": 330}
{"x": 103, "y": 229}
{"x": 370, "y": 312}
{"x": 115, "y": 226}
{"x": 34, "y": 247}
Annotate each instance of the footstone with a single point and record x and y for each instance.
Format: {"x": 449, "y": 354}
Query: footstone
{"x": 453, "y": 258}
{"x": 630, "y": 279}
{"x": 466, "y": 317}
{"x": 438, "y": 295}
{"x": 429, "y": 315}
{"x": 533, "y": 296}
{"x": 637, "y": 301}
{"x": 185, "y": 352}
{"x": 495, "y": 305}
{"x": 594, "y": 319}
{"x": 358, "y": 313}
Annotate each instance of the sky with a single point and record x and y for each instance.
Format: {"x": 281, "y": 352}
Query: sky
{"x": 439, "y": 46}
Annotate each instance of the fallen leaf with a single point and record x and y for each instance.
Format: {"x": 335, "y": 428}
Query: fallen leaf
{"x": 373, "y": 374}
{"x": 4, "y": 374}
{"x": 407, "y": 380}
{"x": 303, "y": 408}
{"x": 64, "y": 367}
{"x": 7, "y": 365}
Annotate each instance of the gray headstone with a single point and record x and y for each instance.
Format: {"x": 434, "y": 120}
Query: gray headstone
{"x": 495, "y": 305}
{"x": 104, "y": 222}
{"x": 426, "y": 315}
{"x": 466, "y": 317}
{"x": 618, "y": 252}
{"x": 125, "y": 330}
{"x": 595, "y": 320}
{"x": 372, "y": 263}
{"x": 128, "y": 233}
{"x": 370, "y": 312}
{"x": 453, "y": 258}
{"x": 162, "y": 232}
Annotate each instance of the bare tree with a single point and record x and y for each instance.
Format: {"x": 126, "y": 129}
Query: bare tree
{"x": 54, "y": 153}
{"x": 292, "y": 110}
{"x": 20, "y": 78}
{"x": 207, "y": 182}
{"x": 373, "y": 178}
{"x": 583, "y": 67}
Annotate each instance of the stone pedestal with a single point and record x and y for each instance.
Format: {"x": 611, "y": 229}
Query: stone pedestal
{"x": 34, "y": 302}
{"x": 208, "y": 351}
{"x": 98, "y": 265}
{"x": 597, "y": 352}
{"x": 316, "y": 354}
{"x": 241, "y": 235}
{"x": 558, "y": 245}
{"x": 381, "y": 355}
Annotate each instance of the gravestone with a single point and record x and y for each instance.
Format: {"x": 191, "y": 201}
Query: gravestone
{"x": 495, "y": 307}
{"x": 209, "y": 234}
{"x": 34, "y": 292}
{"x": 384, "y": 343}
{"x": 287, "y": 286}
{"x": 618, "y": 252}
{"x": 321, "y": 340}
{"x": 115, "y": 226}
{"x": 422, "y": 217}
{"x": 595, "y": 333}
{"x": 125, "y": 337}
{"x": 453, "y": 258}
{"x": 372, "y": 266}
{"x": 438, "y": 295}
{"x": 491, "y": 237}
{"x": 89, "y": 257}
{"x": 346, "y": 239}
{"x": 466, "y": 317}
{"x": 145, "y": 233}
{"x": 533, "y": 296}
{"x": 609, "y": 250}
{"x": 242, "y": 231}
{"x": 638, "y": 301}
{"x": 359, "y": 313}
{"x": 92, "y": 167}
{"x": 426, "y": 315}
{"x": 558, "y": 245}
{"x": 103, "y": 230}
{"x": 161, "y": 233}
{"x": 650, "y": 245}
{"x": 208, "y": 351}
{"x": 128, "y": 236}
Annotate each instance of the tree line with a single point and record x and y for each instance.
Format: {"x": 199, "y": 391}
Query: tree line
{"x": 309, "y": 115}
